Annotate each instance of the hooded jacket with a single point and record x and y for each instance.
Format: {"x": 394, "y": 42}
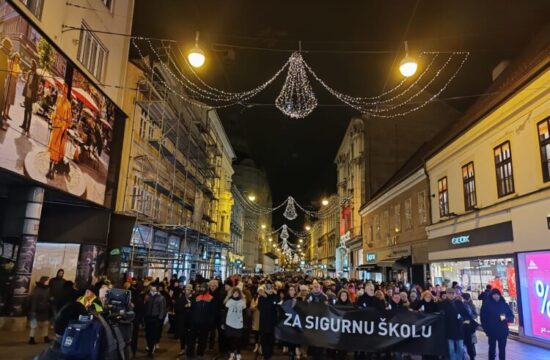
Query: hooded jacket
{"x": 491, "y": 312}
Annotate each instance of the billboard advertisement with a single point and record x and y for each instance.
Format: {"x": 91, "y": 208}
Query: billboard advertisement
{"x": 56, "y": 127}
{"x": 534, "y": 271}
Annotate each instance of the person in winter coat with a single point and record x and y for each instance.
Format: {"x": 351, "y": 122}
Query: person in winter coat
{"x": 40, "y": 310}
{"x": 218, "y": 293}
{"x": 267, "y": 306}
{"x": 427, "y": 303}
{"x": 495, "y": 317}
{"x": 56, "y": 285}
{"x": 316, "y": 296}
{"x": 455, "y": 314}
{"x": 138, "y": 300}
{"x": 182, "y": 311}
{"x": 343, "y": 302}
{"x": 470, "y": 327}
{"x": 233, "y": 332}
{"x": 202, "y": 320}
{"x": 68, "y": 294}
{"x": 155, "y": 312}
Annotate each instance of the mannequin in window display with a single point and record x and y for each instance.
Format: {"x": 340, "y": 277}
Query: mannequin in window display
{"x": 61, "y": 121}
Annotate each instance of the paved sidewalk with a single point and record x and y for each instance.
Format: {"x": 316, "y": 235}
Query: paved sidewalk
{"x": 13, "y": 346}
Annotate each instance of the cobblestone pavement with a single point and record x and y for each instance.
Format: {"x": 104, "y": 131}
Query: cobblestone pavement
{"x": 13, "y": 346}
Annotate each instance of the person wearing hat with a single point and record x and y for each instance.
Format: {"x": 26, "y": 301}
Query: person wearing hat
{"x": 91, "y": 301}
{"x": 40, "y": 310}
{"x": 495, "y": 317}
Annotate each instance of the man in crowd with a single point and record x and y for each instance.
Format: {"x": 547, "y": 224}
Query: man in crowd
{"x": 155, "y": 312}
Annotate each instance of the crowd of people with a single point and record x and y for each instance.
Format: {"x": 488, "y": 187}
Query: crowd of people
{"x": 242, "y": 312}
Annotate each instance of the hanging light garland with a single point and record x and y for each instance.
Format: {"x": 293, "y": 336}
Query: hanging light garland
{"x": 290, "y": 210}
{"x": 297, "y": 99}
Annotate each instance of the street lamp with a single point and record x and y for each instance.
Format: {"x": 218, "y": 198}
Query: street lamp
{"x": 324, "y": 202}
{"x": 301, "y": 241}
{"x": 196, "y": 55}
{"x": 252, "y": 197}
{"x": 270, "y": 239}
{"x": 308, "y": 228}
{"x": 408, "y": 65}
{"x": 263, "y": 226}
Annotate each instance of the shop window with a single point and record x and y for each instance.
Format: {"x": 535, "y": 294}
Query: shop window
{"x": 422, "y": 213}
{"x": 35, "y": 6}
{"x": 91, "y": 53}
{"x": 408, "y": 214}
{"x": 544, "y": 141}
{"x": 503, "y": 166}
{"x": 468, "y": 178}
{"x": 443, "y": 196}
{"x": 397, "y": 218}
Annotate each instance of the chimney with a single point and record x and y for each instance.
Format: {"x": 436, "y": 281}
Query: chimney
{"x": 499, "y": 69}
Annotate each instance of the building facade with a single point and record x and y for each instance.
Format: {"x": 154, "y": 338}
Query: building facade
{"x": 66, "y": 223}
{"x": 325, "y": 241}
{"x": 394, "y": 222}
{"x": 350, "y": 168}
{"x": 490, "y": 195}
{"x": 175, "y": 180}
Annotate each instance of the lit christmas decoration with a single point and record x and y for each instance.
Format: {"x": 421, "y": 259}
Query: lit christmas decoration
{"x": 296, "y": 98}
{"x": 290, "y": 210}
{"x": 284, "y": 233}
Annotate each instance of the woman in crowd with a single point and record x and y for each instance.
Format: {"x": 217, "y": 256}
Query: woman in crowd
{"x": 40, "y": 311}
{"x": 235, "y": 304}
{"x": 182, "y": 316}
{"x": 495, "y": 317}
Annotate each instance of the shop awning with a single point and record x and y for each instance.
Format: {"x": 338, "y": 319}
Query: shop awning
{"x": 367, "y": 267}
{"x": 401, "y": 262}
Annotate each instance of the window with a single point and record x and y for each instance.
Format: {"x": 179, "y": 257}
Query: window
{"x": 386, "y": 221}
{"x": 377, "y": 226}
{"x": 503, "y": 166}
{"x": 35, "y": 7}
{"x": 397, "y": 217}
{"x": 146, "y": 127}
{"x": 108, "y": 4}
{"x": 544, "y": 141}
{"x": 422, "y": 213}
{"x": 468, "y": 178}
{"x": 408, "y": 214}
{"x": 443, "y": 197}
{"x": 91, "y": 53}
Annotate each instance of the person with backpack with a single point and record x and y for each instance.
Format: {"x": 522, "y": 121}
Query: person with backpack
{"x": 40, "y": 311}
{"x": 155, "y": 312}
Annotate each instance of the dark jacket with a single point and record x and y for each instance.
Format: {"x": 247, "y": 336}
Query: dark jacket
{"x": 491, "y": 312}
{"x": 155, "y": 307}
{"x": 455, "y": 314}
{"x": 182, "y": 308}
{"x": 67, "y": 295}
{"x": 39, "y": 304}
{"x": 203, "y": 311}
{"x": 427, "y": 307}
{"x": 394, "y": 308}
{"x": 366, "y": 301}
{"x": 317, "y": 298}
{"x": 56, "y": 285}
{"x": 267, "y": 306}
{"x": 138, "y": 300}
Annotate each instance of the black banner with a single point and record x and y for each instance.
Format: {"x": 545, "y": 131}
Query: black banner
{"x": 369, "y": 330}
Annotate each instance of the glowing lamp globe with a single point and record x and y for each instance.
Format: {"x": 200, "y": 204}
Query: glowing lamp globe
{"x": 196, "y": 57}
{"x": 408, "y": 67}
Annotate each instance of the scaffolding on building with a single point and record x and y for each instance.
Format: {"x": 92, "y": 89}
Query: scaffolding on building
{"x": 175, "y": 167}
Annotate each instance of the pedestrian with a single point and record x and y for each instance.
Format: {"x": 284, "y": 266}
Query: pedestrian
{"x": 91, "y": 301}
{"x": 202, "y": 320}
{"x": 255, "y": 321}
{"x": 267, "y": 305}
{"x": 56, "y": 287}
{"x": 235, "y": 304}
{"x": 30, "y": 92}
{"x": 40, "y": 311}
{"x": 485, "y": 294}
{"x": 455, "y": 313}
{"x": 470, "y": 327}
{"x": 343, "y": 302}
{"x": 5, "y": 51}
{"x": 182, "y": 316}
{"x": 495, "y": 317}
{"x": 14, "y": 72}
{"x": 155, "y": 312}
{"x": 218, "y": 296}
{"x": 138, "y": 300}
{"x": 67, "y": 294}
{"x": 61, "y": 121}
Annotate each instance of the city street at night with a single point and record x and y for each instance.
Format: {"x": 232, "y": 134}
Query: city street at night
{"x": 269, "y": 180}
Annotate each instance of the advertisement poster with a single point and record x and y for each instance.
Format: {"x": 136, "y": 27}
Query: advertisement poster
{"x": 535, "y": 277}
{"x": 55, "y": 126}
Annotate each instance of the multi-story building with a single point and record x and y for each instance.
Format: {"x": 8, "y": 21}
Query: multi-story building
{"x": 236, "y": 259}
{"x": 176, "y": 179}
{"x": 490, "y": 193}
{"x": 325, "y": 240}
{"x": 65, "y": 224}
{"x": 394, "y": 221}
{"x": 252, "y": 182}
{"x": 351, "y": 190}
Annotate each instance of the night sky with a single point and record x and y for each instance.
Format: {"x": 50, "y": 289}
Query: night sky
{"x": 298, "y": 155}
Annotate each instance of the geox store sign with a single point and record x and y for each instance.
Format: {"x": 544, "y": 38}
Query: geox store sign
{"x": 459, "y": 240}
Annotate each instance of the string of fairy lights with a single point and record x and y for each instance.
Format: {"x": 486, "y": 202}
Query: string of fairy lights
{"x": 297, "y": 98}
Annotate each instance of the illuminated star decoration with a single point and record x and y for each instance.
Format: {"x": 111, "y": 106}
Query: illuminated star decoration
{"x": 296, "y": 98}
